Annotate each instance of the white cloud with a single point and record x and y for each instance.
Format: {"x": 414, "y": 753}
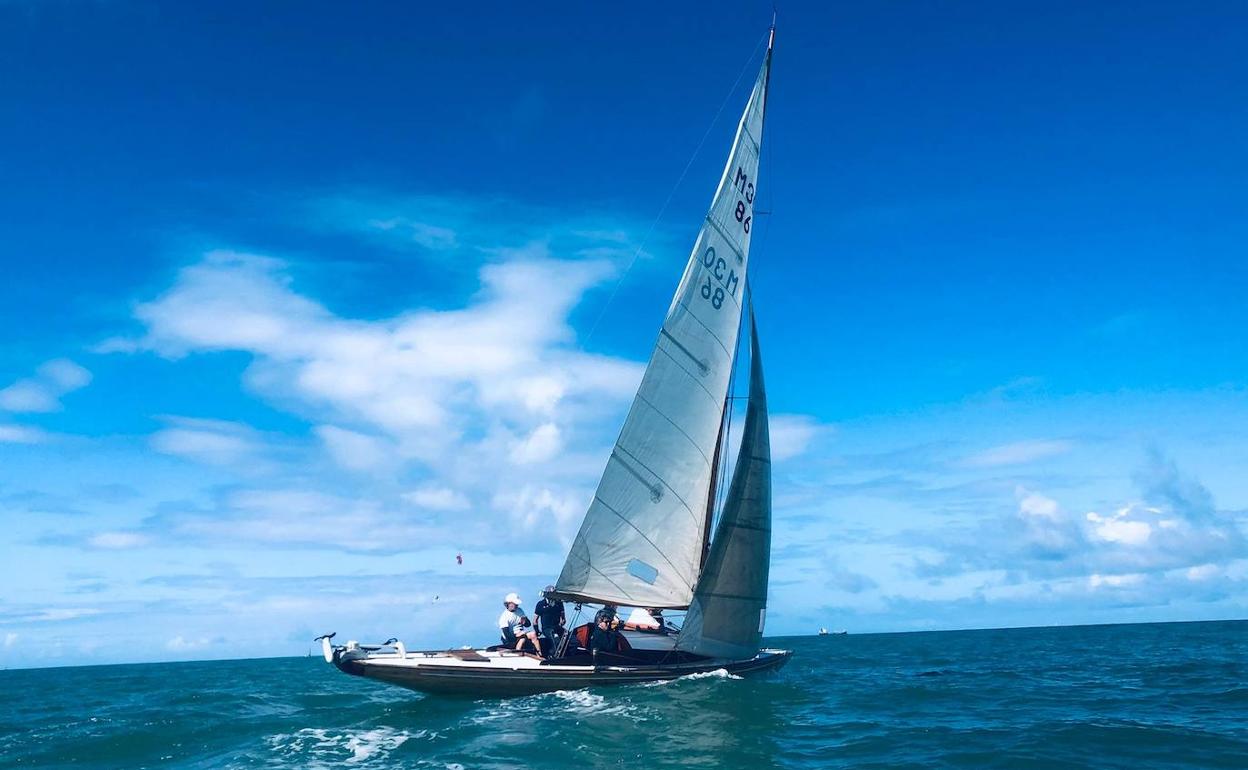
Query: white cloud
{"x": 116, "y": 541}
{"x": 420, "y": 233}
{"x": 10, "y": 639}
{"x": 1119, "y": 527}
{"x": 404, "y": 375}
{"x": 539, "y": 446}
{"x": 214, "y": 442}
{"x": 791, "y": 434}
{"x": 486, "y": 397}
{"x": 534, "y": 507}
{"x": 355, "y": 451}
{"x": 58, "y": 614}
{"x": 19, "y": 434}
{"x": 42, "y": 393}
{"x": 1017, "y": 453}
{"x": 1048, "y": 532}
{"x": 1096, "y": 580}
{"x": 1036, "y": 504}
{"x": 1203, "y": 572}
{"x": 64, "y": 374}
{"x": 180, "y": 643}
{"x": 437, "y": 498}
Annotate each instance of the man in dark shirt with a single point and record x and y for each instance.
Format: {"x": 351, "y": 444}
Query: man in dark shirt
{"x": 604, "y": 636}
{"x": 550, "y": 618}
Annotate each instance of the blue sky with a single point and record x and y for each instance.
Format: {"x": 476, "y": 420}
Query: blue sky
{"x": 298, "y": 304}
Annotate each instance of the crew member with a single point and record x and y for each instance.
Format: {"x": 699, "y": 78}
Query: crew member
{"x": 515, "y": 626}
{"x": 550, "y": 617}
{"x": 605, "y": 637}
{"x": 643, "y": 620}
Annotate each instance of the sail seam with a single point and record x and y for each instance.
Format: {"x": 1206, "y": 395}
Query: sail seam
{"x": 698, "y": 381}
{"x": 640, "y": 478}
{"x": 709, "y": 330}
{"x": 740, "y": 252}
{"x": 618, "y": 587}
{"x": 656, "y": 494}
{"x": 703, "y": 366}
{"x": 679, "y": 429}
{"x": 755, "y": 145}
{"x": 659, "y": 551}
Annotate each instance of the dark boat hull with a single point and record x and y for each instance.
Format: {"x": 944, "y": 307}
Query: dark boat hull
{"x": 454, "y": 678}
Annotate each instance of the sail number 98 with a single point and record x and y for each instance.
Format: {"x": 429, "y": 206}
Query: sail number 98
{"x": 719, "y": 270}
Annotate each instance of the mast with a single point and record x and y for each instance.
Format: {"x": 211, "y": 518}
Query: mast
{"x": 711, "y": 493}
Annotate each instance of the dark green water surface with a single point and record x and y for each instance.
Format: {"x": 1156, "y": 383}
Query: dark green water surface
{"x": 1141, "y": 696}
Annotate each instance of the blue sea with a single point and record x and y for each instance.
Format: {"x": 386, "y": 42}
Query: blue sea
{"x": 1131, "y": 696}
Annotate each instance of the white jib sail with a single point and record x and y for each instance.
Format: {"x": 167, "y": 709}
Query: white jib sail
{"x": 642, "y": 538}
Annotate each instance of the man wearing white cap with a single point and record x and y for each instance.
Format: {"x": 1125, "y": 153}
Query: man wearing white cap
{"x": 515, "y": 626}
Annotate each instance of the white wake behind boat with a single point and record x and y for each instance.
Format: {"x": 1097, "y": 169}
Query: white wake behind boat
{"x": 646, "y": 540}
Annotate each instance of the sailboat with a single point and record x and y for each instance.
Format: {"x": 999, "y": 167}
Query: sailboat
{"x": 646, "y": 540}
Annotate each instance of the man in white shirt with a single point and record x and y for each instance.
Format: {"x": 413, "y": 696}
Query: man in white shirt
{"x": 515, "y": 626}
{"x": 641, "y": 620}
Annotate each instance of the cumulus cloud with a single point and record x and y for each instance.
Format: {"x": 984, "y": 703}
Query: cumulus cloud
{"x": 1122, "y": 526}
{"x": 1173, "y": 529}
{"x": 43, "y": 392}
{"x": 485, "y": 397}
{"x": 506, "y": 352}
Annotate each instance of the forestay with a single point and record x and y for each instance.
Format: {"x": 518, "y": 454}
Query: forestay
{"x": 642, "y": 539}
{"x": 729, "y": 605}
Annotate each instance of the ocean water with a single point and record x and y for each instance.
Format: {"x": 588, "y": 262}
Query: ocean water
{"x": 1136, "y": 696}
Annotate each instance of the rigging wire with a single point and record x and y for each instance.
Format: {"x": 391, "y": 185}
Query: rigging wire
{"x": 672, "y": 193}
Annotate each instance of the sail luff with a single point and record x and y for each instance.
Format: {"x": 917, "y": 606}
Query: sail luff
{"x": 642, "y": 539}
{"x": 728, "y": 611}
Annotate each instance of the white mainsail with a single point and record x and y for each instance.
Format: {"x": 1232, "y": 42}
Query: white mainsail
{"x": 729, "y": 605}
{"x": 641, "y": 542}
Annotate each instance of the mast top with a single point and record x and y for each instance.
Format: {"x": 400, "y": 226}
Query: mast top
{"x": 771, "y": 38}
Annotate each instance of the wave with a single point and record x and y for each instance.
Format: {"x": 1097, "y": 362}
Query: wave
{"x": 719, "y": 673}
{"x": 313, "y": 745}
